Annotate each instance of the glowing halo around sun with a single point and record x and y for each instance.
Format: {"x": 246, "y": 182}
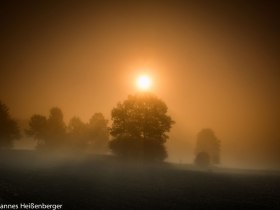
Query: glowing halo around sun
{"x": 144, "y": 82}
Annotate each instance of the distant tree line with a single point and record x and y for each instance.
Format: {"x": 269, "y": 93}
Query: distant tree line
{"x": 139, "y": 131}
{"x": 51, "y": 133}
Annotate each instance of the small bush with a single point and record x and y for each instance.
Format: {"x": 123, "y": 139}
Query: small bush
{"x": 202, "y": 159}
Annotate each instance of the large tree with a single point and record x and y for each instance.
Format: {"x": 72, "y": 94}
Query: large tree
{"x": 9, "y": 130}
{"x": 140, "y": 127}
{"x": 208, "y": 143}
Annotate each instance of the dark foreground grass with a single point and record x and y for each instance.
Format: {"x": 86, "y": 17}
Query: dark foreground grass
{"x": 106, "y": 183}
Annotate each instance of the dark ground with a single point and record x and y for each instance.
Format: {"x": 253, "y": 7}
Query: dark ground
{"x": 101, "y": 182}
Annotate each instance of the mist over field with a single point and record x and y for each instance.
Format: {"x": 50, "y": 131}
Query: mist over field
{"x": 140, "y": 104}
{"x": 214, "y": 64}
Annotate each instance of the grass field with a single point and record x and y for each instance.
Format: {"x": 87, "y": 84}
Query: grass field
{"x": 102, "y": 182}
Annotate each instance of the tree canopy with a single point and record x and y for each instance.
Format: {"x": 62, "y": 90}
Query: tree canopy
{"x": 9, "y": 130}
{"x": 140, "y": 127}
{"x": 49, "y": 132}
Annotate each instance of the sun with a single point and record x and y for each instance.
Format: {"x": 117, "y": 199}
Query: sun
{"x": 144, "y": 82}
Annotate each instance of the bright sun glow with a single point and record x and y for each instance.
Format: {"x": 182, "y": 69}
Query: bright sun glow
{"x": 144, "y": 82}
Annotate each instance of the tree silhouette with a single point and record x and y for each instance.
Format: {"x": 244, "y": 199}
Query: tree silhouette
{"x": 98, "y": 133}
{"x": 207, "y": 142}
{"x": 78, "y": 134}
{"x": 9, "y": 130}
{"x": 56, "y": 128}
{"x": 140, "y": 126}
{"x": 49, "y": 132}
{"x": 38, "y": 129}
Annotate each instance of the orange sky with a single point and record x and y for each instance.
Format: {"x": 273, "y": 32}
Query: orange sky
{"x": 214, "y": 65}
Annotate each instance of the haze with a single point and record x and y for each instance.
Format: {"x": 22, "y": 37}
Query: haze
{"x": 215, "y": 65}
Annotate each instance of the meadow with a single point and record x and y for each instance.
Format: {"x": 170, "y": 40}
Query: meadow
{"x": 104, "y": 182}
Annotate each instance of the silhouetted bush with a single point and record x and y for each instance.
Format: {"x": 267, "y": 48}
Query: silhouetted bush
{"x": 126, "y": 146}
{"x": 202, "y": 159}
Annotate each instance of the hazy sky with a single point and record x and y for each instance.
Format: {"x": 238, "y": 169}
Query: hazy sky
{"x": 215, "y": 64}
